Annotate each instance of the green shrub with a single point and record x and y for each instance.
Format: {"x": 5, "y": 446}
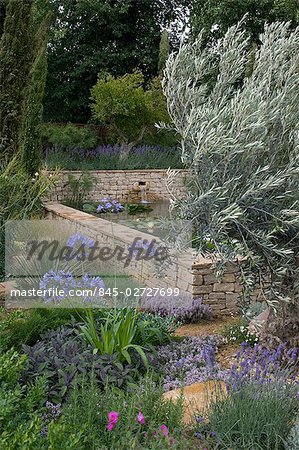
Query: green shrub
{"x": 26, "y": 327}
{"x": 21, "y": 406}
{"x": 69, "y": 136}
{"x": 88, "y": 409}
{"x": 127, "y": 107}
{"x": 11, "y": 367}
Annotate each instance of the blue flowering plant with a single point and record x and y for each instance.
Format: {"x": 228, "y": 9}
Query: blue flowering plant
{"x": 108, "y": 205}
{"x": 262, "y": 400}
{"x": 264, "y": 365}
{"x": 64, "y": 286}
{"x": 79, "y": 239}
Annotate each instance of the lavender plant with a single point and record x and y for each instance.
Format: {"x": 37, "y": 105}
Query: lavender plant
{"x": 264, "y": 365}
{"x": 183, "y": 308}
{"x": 258, "y": 416}
{"x": 108, "y": 157}
{"x": 262, "y": 399}
{"x": 293, "y": 437}
{"x": 239, "y": 136}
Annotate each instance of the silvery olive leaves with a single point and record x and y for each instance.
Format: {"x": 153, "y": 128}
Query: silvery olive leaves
{"x": 236, "y": 110}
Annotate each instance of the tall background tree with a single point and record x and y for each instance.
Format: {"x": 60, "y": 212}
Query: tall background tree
{"x": 15, "y": 58}
{"x": 35, "y": 89}
{"x": 164, "y": 50}
{"x": 23, "y": 58}
{"x": 94, "y": 36}
{"x": 3, "y": 5}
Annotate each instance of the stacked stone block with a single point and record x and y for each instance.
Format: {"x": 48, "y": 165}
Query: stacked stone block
{"x": 194, "y": 277}
{"x": 119, "y": 185}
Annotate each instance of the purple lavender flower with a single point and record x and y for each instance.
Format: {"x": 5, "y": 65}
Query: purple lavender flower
{"x": 263, "y": 365}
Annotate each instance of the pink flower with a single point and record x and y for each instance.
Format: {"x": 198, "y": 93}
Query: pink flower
{"x": 140, "y": 418}
{"x": 110, "y": 426}
{"x": 113, "y": 417}
{"x": 112, "y": 420}
{"x": 164, "y": 430}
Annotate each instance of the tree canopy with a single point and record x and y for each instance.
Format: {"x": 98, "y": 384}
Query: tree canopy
{"x": 125, "y": 105}
{"x": 216, "y": 16}
{"x": 91, "y": 36}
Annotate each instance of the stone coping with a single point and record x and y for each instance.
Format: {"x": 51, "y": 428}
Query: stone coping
{"x": 116, "y": 230}
{"x": 111, "y": 229}
{"x": 123, "y": 171}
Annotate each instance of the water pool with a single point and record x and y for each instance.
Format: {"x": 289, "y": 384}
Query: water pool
{"x": 153, "y": 221}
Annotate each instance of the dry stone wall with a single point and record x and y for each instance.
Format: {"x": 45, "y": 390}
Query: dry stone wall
{"x": 119, "y": 184}
{"x": 195, "y": 277}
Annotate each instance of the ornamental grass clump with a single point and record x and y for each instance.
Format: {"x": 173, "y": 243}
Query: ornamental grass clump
{"x": 183, "y": 308}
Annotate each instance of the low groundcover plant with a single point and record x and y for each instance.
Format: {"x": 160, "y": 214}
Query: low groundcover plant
{"x": 183, "y": 308}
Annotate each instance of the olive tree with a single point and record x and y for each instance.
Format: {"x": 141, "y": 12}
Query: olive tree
{"x": 239, "y": 136}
